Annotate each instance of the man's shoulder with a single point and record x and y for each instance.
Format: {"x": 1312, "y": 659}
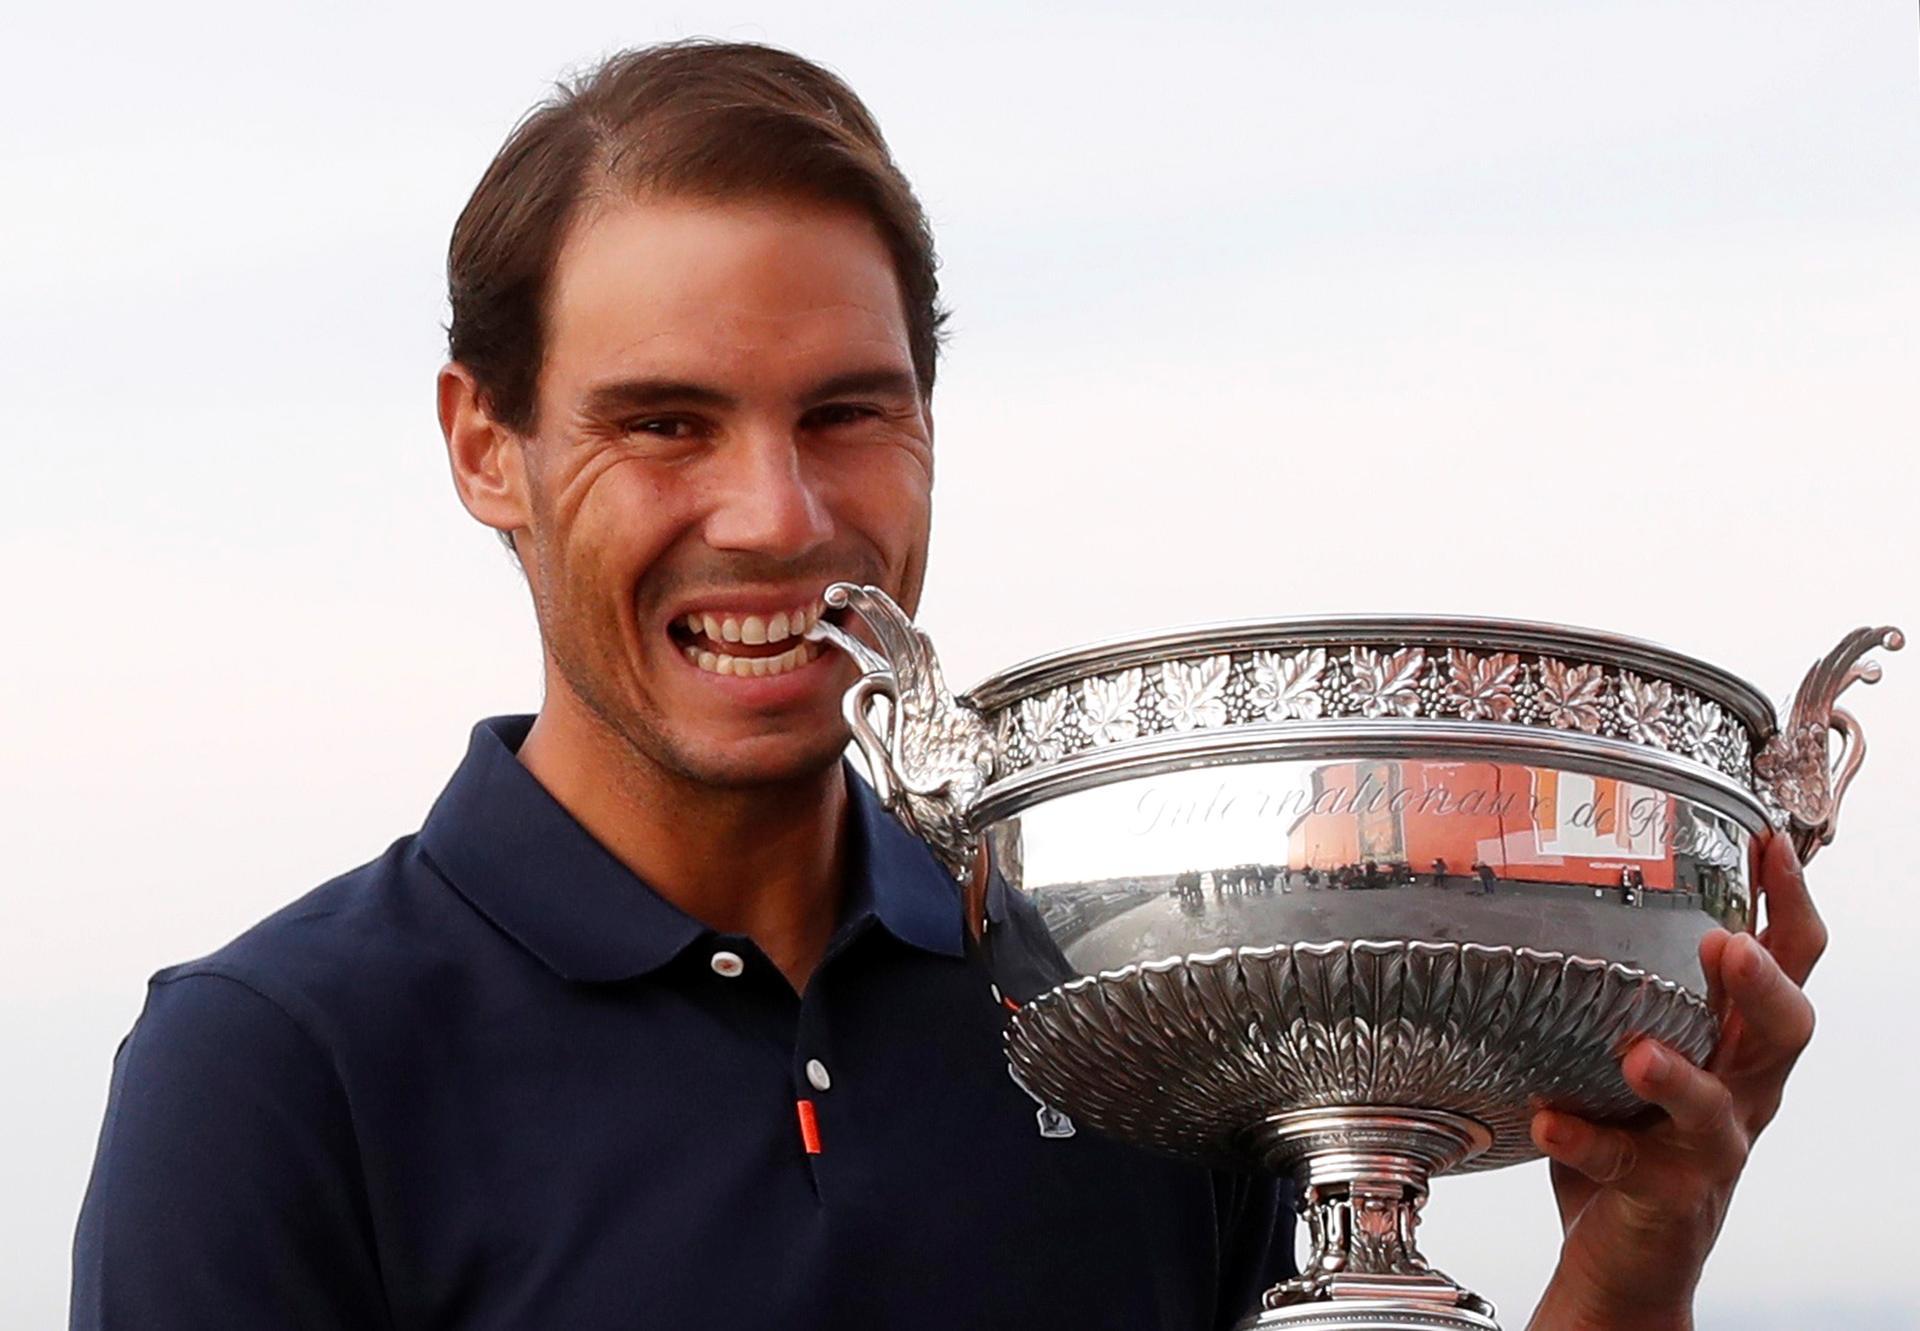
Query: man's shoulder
{"x": 357, "y": 943}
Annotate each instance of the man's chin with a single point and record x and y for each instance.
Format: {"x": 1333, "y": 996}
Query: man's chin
{"x": 761, "y": 761}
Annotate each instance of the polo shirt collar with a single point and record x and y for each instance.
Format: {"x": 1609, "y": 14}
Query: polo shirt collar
{"x": 895, "y": 875}
{"x": 520, "y": 859}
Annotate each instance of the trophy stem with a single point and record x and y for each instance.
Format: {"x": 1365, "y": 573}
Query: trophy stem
{"x": 1360, "y": 1173}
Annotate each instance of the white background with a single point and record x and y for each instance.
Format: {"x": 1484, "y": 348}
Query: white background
{"x": 1600, "y": 312}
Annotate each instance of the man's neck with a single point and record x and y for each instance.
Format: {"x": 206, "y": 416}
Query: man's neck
{"x": 765, "y": 862}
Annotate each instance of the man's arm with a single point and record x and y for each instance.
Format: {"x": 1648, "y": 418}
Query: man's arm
{"x": 227, "y": 1188}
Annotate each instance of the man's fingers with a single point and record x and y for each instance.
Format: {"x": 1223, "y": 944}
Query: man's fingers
{"x": 1713, "y": 950}
{"x": 1773, "y": 1013}
{"x": 1698, "y": 1102}
{"x": 1698, "y": 1151}
{"x": 1605, "y": 1155}
{"x": 1705, "y": 1137}
{"x": 1795, "y": 933}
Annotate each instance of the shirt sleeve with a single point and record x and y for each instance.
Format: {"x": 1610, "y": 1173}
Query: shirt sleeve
{"x": 1256, "y": 1241}
{"x": 226, "y": 1190}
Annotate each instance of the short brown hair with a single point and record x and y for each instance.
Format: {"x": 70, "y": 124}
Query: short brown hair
{"x": 698, "y": 118}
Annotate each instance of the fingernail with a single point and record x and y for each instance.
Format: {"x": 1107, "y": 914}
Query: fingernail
{"x": 1554, "y": 1133}
{"x": 1658, "y": 1066}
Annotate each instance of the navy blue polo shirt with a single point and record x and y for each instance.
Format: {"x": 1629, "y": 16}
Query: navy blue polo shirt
{"x": 492, "y": 1080}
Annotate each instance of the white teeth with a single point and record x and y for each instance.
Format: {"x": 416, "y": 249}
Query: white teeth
{"x": 749, "y": 629}
{"x": 752, "y": 629}
{"x": 721, "y": 663}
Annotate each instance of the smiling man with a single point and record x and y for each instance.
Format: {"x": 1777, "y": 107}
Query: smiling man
{"x": 659, "y": 1020}
{"x": 729, "y": 417}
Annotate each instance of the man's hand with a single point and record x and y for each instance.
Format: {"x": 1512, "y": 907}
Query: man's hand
{"x": 1642, "y": 1207}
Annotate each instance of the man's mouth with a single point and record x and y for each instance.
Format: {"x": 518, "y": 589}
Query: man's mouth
{"x": 759, "y": 645}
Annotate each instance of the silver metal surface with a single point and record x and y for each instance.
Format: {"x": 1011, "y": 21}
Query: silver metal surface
{"x": 930, "y": 756}
{"x": 1793, "y": 766}
{"x": 1370, "y": 1314}
{"x": 1361, "y": 1176}
{"x": 1191, "y": 1056}
{"x": 1474, "y": 634}
{"x": 1355, "y": 679}
{"x": 1523, "y": 854}
{"x": 1593, "y": 754}
{"x": 1348, "y": 898}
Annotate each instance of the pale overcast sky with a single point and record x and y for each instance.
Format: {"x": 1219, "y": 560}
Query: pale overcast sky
{"x": 1602, "y": 312}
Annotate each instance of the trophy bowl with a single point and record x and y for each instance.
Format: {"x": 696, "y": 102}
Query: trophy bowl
{"x": 1348, "y": 898}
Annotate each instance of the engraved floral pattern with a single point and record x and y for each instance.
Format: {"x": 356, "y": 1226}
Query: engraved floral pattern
{"x": 1386, "y": 684}
{"x": 1195, "y": 692}
{"x": 1480, "y": 688}
{"x": 1571, "y": 695}
{"x": 1287, "y": 686}
{"x": 1043, "y": 718}
{"x": 1012, "y": 740}
{"x": 1644, "y": 705}
{"x": 1735, "y": 749}
{"x": 1699, "y": 726}
{"x": 1330, "y": 682}
{"x": 1110, "y": 703}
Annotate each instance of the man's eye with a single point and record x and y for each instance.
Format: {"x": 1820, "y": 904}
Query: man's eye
{"x": 841, "y": 413}
{"x": 666, "y": 427}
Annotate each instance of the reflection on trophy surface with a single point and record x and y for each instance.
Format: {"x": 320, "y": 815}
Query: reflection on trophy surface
{"x": 1347, "y": 898}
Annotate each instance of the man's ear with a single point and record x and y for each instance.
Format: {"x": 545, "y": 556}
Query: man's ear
{"x": 487, "y": 459}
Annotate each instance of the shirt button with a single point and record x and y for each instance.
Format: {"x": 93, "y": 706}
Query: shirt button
{"x": 727, "y": 964}
{"x": 817, "y": 1074}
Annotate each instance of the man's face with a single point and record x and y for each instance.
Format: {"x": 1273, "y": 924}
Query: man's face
{"x": 728, "y": 422}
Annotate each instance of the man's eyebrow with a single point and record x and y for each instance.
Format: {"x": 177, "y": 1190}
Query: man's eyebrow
{"x": 625, "y": 395}
{"x": 883, "y": 380}
{"x": 622, "y": 396}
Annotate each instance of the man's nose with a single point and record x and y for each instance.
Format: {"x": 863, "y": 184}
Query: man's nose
{"x": 767, "y": 503}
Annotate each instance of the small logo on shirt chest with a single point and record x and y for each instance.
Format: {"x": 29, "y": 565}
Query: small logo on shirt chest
{"x": 1053, "y": 1123}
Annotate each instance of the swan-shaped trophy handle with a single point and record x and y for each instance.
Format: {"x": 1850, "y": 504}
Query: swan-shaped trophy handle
{"x": 930, "y": 754}
{"x": 1801, "y": 783}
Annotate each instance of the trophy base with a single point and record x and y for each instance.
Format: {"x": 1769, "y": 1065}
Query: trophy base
{"x": 1369, "y": 1315}
{"x": 1361, "y": 1175}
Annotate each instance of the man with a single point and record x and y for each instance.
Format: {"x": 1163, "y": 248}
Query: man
{"x": 658, "y": 1020}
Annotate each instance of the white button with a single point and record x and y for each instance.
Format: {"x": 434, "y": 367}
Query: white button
{"x": 817, "y": 1074}
{"x": 727, "y": 964}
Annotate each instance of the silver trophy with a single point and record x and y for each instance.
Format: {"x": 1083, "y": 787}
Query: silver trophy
{"x": 1348, "y": 898}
